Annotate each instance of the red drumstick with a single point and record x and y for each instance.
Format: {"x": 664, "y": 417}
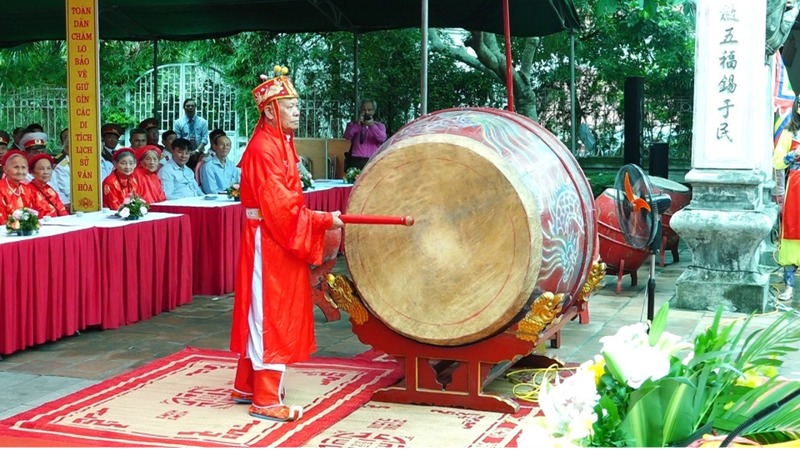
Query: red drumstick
{"x": 378, "y": 220}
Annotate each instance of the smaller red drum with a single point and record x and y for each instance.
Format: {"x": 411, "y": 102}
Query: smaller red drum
{"x": 680, "y": 196}
{"x": 620, "y": 257}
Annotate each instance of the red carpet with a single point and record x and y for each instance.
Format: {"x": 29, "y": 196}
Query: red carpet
{"x": 183, "y": 400}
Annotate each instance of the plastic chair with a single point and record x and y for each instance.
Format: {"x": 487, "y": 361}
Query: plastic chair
{"x": 200, "y": 163}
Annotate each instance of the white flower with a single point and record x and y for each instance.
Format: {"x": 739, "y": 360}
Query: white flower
{"x": 630, "y": 352}
{"x": 124, "y": 213}
{"x": 143, "y": 210}
{"x": 536, "y": 434}
{"x": 568, "y": 407}
{"x": 17, "y": 214}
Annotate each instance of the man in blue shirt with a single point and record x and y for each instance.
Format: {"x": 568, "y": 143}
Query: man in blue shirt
{"x": 192, "y": 127}
{"x": 176, "y": 178}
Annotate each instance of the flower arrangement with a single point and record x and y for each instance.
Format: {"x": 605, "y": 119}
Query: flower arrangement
{"x": 133, "y": 208}
{"x": 351, "y": 174}
{"x": 23, "y": 221}
{"x": 233, "y": 191}
{"x": 307, "y": 180}
{"x": 640, "y": 392}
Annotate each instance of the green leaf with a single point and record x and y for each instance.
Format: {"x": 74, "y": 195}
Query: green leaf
{"x": 606, "y": 7}
{"x": 662, "y": 415}
{"x": 658, "y": 325}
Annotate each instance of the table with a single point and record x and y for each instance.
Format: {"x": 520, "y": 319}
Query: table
{"x": 216, "y": 232}
{"x": 42, "y": 298}
{"x": 217, "y": 228}
{"x": 144, "y": 266}
{"x": 328, "y": 195}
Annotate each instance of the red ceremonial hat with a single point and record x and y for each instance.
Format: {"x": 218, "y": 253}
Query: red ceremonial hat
{"x": 33, "y": 159}
{"x": 111, "y": 129}
{"x": 141, "y": 151}
{"x": 11, "y": 153}
{"x": 119, "y": 153}
{"x": 148, "y": 123}
{"x": 274, "y": 88}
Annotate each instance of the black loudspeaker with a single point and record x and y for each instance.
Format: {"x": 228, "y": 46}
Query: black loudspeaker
{"x": 659, "y": 159}
{"x": 634, "y": 120}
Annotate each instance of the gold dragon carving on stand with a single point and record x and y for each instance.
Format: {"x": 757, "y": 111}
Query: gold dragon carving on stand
{"x": 342, "y": 294}
{"x": 545, "y": 309}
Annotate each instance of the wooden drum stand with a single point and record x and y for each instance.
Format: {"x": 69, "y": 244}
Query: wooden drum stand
{"x": 457, "y": 376}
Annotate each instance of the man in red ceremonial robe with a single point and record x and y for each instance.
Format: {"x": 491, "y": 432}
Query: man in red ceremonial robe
{"x": 273, "y": 321}
{"x": 14, "y": 192}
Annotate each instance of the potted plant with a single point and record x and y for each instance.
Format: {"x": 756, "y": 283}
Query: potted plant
{"x": 133, "y": 208}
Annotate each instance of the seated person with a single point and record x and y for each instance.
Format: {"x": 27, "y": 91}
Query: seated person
{"x": 176, "y": 178}
{"x": 122, "y": 182}
{"x": 147, "y": 165}
{"x": 218, "y": 172}
{"x": 4, "y": 140}
{"x": 41, "y": 166}
{"x": 166, "y": 142}
{"x": 14, "y": 192}
{"x": 110, "y": 134}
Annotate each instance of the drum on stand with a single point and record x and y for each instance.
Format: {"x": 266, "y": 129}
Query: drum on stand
{"x": 620, "y": 257}
{"x": 680, "y": 196}
{"x": 502, "y": 211}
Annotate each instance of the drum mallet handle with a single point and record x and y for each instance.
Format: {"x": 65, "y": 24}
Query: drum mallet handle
{"x": 377, "y": 220}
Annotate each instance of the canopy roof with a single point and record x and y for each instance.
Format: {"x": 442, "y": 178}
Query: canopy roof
{"x": 35, "y": 20}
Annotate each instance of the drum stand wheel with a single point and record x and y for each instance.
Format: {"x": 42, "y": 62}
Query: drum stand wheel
{"x": 440, "y": 375}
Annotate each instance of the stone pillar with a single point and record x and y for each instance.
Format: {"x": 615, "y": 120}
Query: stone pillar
{"x": 726, "y": 223}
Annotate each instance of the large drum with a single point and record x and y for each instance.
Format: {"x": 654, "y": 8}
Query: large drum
{"x": 680, "y": 196}
{"x": 502, "y": 211}
{"x": 615, "y": 251}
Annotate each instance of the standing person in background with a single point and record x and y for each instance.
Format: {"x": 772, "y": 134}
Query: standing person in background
{"x": 192, "y": 127}
{"x": 273, "y": 317}
{"x": 787, "y": 156}
{"x": 365, "y": 135}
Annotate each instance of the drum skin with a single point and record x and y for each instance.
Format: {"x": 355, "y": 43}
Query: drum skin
{"x": 502, "y": 210}
{"x": 613, "y": 246}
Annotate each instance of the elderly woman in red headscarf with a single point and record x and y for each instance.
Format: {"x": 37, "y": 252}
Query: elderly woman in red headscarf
{"x": 122, "y": 182}
{"x": 148, "y": 162}
{"x": 14, "y": 192}
{"x": 41, "y": 167}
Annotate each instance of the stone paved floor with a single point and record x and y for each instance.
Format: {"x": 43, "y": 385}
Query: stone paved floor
{"x": 50, "y": 371}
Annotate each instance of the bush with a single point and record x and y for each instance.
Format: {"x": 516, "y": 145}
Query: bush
{"x": 600, "y": 181}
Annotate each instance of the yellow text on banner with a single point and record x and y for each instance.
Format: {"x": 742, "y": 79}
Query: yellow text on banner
{"x": 83, "y": 90}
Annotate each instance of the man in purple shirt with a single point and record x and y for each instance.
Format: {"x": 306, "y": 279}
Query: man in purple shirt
{"x": 365, "y": 136}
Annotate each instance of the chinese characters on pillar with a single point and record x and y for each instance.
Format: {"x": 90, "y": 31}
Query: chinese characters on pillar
{"x": 728, "y": 63}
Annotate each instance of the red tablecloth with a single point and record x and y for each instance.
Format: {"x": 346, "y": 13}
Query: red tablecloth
{"x": 48, "y": 285}
{"x": 147, "y": 268}
{"x": 216, "y": 232}
{"x": 85, "y": 271}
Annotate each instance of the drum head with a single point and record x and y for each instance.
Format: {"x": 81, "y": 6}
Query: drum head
{"x": 469, "y": 264}
{"x": 664, "y": 184}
